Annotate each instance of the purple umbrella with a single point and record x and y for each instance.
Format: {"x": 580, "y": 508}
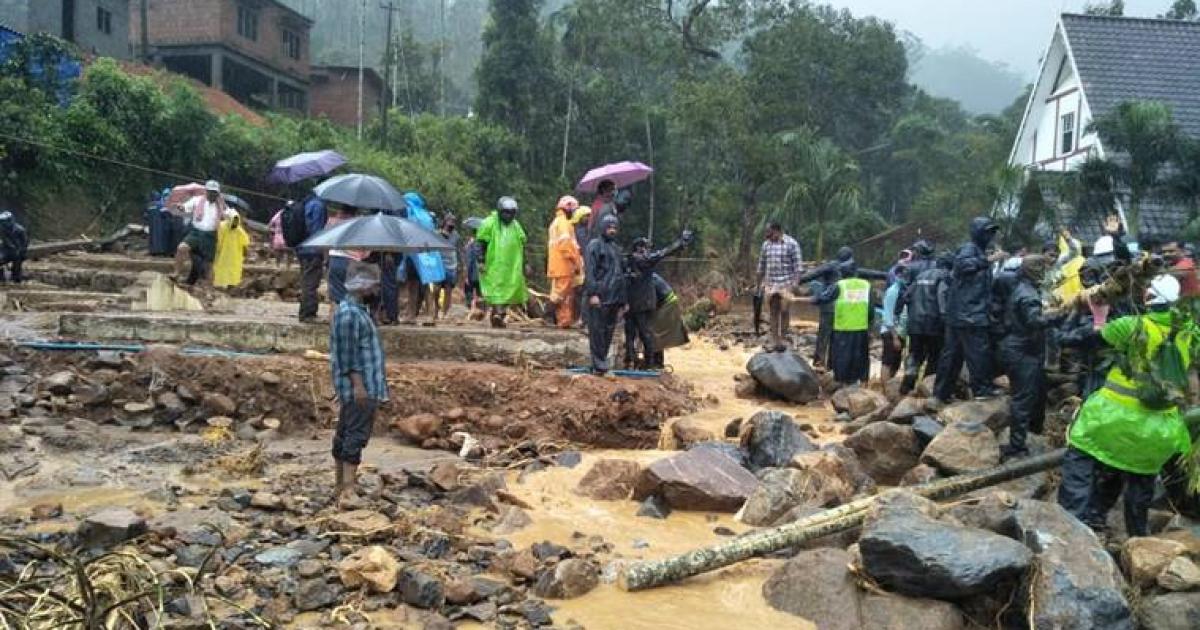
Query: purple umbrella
{"x": 621, "y": 173}
{"x": 304, "y": 165}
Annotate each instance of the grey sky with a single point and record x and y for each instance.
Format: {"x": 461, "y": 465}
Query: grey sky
{"x": 1014, "y": 32}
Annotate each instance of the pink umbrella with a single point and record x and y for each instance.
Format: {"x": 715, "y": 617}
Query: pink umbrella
{"x": 180, "y": 194}
{"x": 621, "y": 173}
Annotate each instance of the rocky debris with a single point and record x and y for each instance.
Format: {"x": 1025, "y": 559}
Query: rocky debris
{"x": 1075, "y": 582}
{"x": 882, "y": 611}
{"x": 782, "y": 489}
{"x": 421, "y": 589}
{"x": 785, "y": 374}
{"x": 568, "y": 579}
{"x": 887, "y": 450}
{"x": 857, "y": 401}
{"x": 962, "y": 447}
{"x": 992, "y": 412}
{"x": 218, "y": 404}
{"x": 193, "y": 526}
{"x": 46, "y": 511}
{"x": 907, "y": 409}
{"x": 687, "y": 432}
{"x": 732, "y": 451}
{"x": 1172, "y": 611}
{"x": 1144, "y": 558}
{"x": 1181, "y": 574}
{"x": 511, "y": 519}
{"x": 266, "y": 501}
{"x": 839, "y": 462}
{"x": 373, "y": 566}
{"x": 906, "y": 550}
{"x": 315, "y": 594}
{"x": 359, "y": 522}
{"x": 610, "y": 480}
{"x": 772, "y": 438}
{"x": 992, "y": 511}
{"x": 568, "y": 459}
{"x": 91, "y": 395}
{"x": 444, "y": 475}
{"x": 926, "y": 428}
{"x": 59, "y": 383}
{"x": 522, "y": 564}
{"x": 818, "y": 586}
{"x": 110, "y": 526}
{"x": 918, "y": 475}
{"x": 419, "y": 427}
{"x": 654, "y": 507}
{"x": 699, "y": 480}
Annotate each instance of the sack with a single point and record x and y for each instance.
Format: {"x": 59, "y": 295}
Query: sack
{"x": 295, "y": 229}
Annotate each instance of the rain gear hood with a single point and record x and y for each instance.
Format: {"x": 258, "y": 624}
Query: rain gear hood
{"x": 503, "y": 279}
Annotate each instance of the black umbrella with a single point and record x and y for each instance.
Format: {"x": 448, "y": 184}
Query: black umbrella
{"x": 237, "y": 201}
{"x": 473, "y": 223}
{"x": 378, "y": 233}
{"x": 361, "y": 191}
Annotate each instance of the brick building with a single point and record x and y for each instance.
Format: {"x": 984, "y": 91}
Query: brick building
{"x": 100, "y": 27}
{"x": 335, "y": 94}
{"x": 255, "y": 50}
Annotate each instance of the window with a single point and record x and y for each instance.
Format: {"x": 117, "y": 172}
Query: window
{"x": 247, "y": 23}
{"x": 291, "y": 44}
{"x": 1068, "y": 133}
{"x": 104, "y": 20}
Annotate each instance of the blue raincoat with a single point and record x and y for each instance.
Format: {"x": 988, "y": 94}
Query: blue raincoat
{"x": 429, "y": 264}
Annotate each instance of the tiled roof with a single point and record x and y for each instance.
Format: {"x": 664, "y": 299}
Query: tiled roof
{"x": 1122, "y": 59}
{"x": 1161, "y": 220}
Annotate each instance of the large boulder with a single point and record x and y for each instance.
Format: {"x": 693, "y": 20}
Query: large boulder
{"x": 962, "y": 447}
{"x": 772, "y": 438}
{"x": 110, "y": 526}
{"x": 782, "y": 489}
{"x": 1173, "y": 611}
{"x": 1181, "y": 574}
{"x": 374, "y": 567}
{"x": 785, "y": 374}
{"x": 702, "y": 480}
{"x": 857, "y": 401}
{"x": 846, "y": 465}
{"x": 568, "y": 579}
{"x": 689, "y": 432}
{"x": 887, "y": 450}
{"x": 818, "y": 586}
{"x": 1075, "y": 583}
{"x": 907, "y": 409}
{"x": 926, "y": 428}
{"x": 909, "y": 552}
{"x": 993, "y": 412}
{"x": 610, "y": 480}
{"x": 884, "y": 611}
{"x": 1144, "y": 558}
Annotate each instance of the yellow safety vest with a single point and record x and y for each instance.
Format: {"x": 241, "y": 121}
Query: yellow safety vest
{"x": 1119, "y": 387}
{"x": 852, "y": 310}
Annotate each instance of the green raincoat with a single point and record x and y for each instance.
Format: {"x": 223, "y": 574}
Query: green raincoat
{"x": 503, "y": 280}
{"x": 1114, "y": 427}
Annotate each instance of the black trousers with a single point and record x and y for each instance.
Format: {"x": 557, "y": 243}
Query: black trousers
{"x": 824, "y": 335}
{"x": 355, "y": 423}
{"x": 601, "y": 323}
{"x": 1027, "y": 383}
{"x": 969, "y": 343}
{"x": 923, "y": 350}
{"x": 389, "y": 288}
{"x": 1090, "y": 489}
{"x": 637, "y": 327}
{"x": 311, "y": 268}
{"x": 849, "y": 352}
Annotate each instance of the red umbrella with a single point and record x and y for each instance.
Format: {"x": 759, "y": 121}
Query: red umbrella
{"x": 180, "y": 194}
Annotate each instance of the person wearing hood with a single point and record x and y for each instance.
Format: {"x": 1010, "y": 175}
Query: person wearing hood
{"x": 14, "y": 244}
{"x": 564, "y": 262}
{"x": 968, "y": 316}
{"x": 922, "y": 260}
{"x": 852, "y": 312}
{"x": 822, "y": 278}
{"x": 1023, "y": 353}
{"x": 605, "y": 290}
{"x": 232, "y": 243}
{"x": 1132, "y": 426}
{"x": 502, "y": 275}
{"x": 925, "y": 325}
{"x": 419, "y": 270}
{"x": 642, "y": 299}
{"x": 620, "y": 202}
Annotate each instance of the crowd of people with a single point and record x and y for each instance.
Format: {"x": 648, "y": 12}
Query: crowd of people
{"x": 1128, "y": 351}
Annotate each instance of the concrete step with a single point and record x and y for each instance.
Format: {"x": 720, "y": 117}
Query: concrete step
{"x": 118, "y": 262}
{"x": 546, "y": 347}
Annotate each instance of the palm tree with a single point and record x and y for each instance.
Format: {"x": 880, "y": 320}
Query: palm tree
{"x": 1145, "y": 132}
{"x": 822, "y": 180}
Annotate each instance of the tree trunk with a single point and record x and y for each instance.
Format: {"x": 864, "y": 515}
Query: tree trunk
{"x": 650, "y": 148}
{"x": 652, "y": 573}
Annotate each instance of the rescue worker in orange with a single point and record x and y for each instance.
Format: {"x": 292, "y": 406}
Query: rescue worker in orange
{"x": 563, "y": 262}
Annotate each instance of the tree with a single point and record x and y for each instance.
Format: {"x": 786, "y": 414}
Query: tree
{"x": 1146, "y": 134}
{"x": 821, "y": 180}
{"x": 1115, "y": 8}
{"x": 1182, "y": 10}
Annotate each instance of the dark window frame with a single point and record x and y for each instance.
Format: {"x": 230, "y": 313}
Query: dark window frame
{"x": 1067, "y": 137}
{"x": 292, "y": 43}
{"x": 247, "y": 22}
{"x": 104, "y": 20}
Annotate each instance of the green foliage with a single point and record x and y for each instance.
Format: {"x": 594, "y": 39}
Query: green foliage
{"x": 1182, "y": 10}
{"x": 1146, "y": 132}
{"x": 1114, "y": 8}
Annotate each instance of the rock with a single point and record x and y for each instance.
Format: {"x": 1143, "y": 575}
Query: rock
{"x": 610, "y": 480}
{"x": 372, "y": 566}
{"x": 59, "y": 383}
{"x": 192, "y": 526}
{"x": 568, "y": 579}
{"x": 732, "y": 451}
{"x": 483, "y": 613}
{"x": 216, "y": 403}
{"x": 926, "y": 429}
{"x": 891, "y": 612}
{"x": 1144, "y": 558}
{"x": 138, "y": 407}
{"x": 687, "y": 431}
{"x": 782, "y": 489}
{"x": 309, "y": 568}
{"x": 1172, "y": 611}
{"x": 46, "y": 511}
{"x": 535, "y": 612}
{"x": 191, "y": 555}
{"x": 772, "y": 438}
{"x": 654, "y": 507}
{"x": 992, "y": 412}
{"x": 511, "y": 519}
{"x": 266, "y": 501}
{"x": 481, "y": 493}
{"x": 110, "y": 526}
{"x": 314, "y": 595}
{"x": 818, "y": 586}
{"x": 521, "y": 564}
{"x": 700, "y": 480}
{"x": 857, "y": 401}
{"x": 785, "y": 374}
{"x": 90, "y": 395}
{"x": 918, "y": 475}
{"x": 993, "y": 512}
{"x": 568, "y": 459}
{"x": 171, "y": 402}
{"x": 419, "y": 427}
{"x": 1075, "y": 582}
{"x": 460, "y": 591}
{"x": 910, "y": 553}
{"x": 887, "y": 450}
{"x": 1181, "y": 574}
{"x": 359, "y": 522}
{"x": 269, "y": 378}
{"x": 733, "y": 428}
{"x": 420, "y": 589}
{"x": 907, "y": 409}
{"x": 444, "y": 475}
{"x": 962, "y": 447}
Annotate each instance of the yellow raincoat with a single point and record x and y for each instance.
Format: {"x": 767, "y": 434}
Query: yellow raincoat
{"x": 1069, "y": 284}
{"x": 232, "y": 241}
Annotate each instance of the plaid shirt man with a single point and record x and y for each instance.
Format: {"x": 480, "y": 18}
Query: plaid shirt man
{"x": 779, "y": 264}
{"x": 354, "y": 347}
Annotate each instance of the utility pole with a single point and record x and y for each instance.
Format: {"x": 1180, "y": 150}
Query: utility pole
{"x": 362, "y": 33}
{"x": 388, "y": 61}
{"x": 442, "y": 62}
